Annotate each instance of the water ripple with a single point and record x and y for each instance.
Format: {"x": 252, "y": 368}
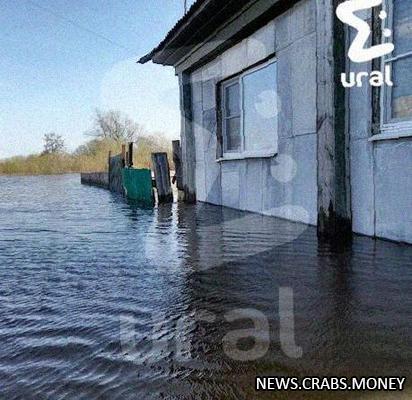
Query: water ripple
{"x": 102, "y": 300}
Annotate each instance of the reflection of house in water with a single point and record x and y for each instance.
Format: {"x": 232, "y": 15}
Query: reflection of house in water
{"x": 269, "y": 128}
{"x": 351, "y": 311}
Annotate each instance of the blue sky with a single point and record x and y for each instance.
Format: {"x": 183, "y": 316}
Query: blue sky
{"x": 62, "y": 59}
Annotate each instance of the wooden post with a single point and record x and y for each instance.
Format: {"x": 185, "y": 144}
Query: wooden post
{"x": 376, "y": 66}
{"x": 187, "y": 139}
{"x": 177, "y": 160}
{"x": 109, "y": 169}
{"x": 123, "y": 155}
{"x": 130, "y": 152}
{"x": 161, "y": 170}
{"x": 334, "y": 217}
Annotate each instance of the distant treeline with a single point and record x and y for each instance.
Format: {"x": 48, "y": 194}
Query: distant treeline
{"x": 110, "y": 131}
{"x": 90, "y": 157}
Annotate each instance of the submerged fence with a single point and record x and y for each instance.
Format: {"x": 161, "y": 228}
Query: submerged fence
{"x": 116, "y": 165}
{"x": 137, "y": 184}
{"x": 111, "y": 180}
{"x": 95, "y": 178}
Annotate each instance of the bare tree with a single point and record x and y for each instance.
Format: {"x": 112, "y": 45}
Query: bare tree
{"x": 116, "y": 126}
{"x": 53, "y": 144}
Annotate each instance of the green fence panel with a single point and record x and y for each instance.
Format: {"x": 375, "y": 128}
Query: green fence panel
{"x": 138, "y": 185}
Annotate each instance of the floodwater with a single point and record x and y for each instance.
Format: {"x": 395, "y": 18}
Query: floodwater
{"x": 105, "y": 300}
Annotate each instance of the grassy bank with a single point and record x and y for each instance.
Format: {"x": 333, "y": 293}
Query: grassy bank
{"x": 90, "y": 157}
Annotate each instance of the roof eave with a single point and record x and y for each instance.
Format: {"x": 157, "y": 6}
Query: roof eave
{"x": 187, "y": 20}
{"x": 145, "y": 59}
{"x": 209, "y": 15}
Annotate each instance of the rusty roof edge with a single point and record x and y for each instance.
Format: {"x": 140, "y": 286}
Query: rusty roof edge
{"x": 194, "y": 10}
{"x": 145, "y": 59}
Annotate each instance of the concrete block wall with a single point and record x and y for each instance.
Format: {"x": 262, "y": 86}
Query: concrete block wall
{"x": 381, "y": 184}
{"x": 284, "y": 185}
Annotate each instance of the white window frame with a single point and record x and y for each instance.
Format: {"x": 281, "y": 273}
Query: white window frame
{"x": 225, "y": 118}
{"x": 391, "y": 128}
{"x": 242, "y": 153}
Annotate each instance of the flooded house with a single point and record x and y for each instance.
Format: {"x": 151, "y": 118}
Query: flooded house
{"x": 268, "y": 125}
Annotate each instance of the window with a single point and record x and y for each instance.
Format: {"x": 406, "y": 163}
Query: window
{"x": 232, "y": 117}
{"x": 249, "y": 113}
{"x": 397, "y": 100}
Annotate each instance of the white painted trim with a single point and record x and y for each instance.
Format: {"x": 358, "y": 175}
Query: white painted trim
{"x": 387, "y": 122}
{"x": 243, "y": 154}
{"x": 399, "y": 57}
{"x": 232, "y": 82}
{"x": 248, "y": 154}
{"x": 258, "y": 67}
{"x": 397, "y": 126}
{"x": 391, "y": 136}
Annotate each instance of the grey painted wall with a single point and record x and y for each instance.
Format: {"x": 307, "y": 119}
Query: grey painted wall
{"x": 284, "y": 185}
{"x": 381, "y": 183}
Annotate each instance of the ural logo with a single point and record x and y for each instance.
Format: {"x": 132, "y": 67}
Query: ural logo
{"x": 358, "y": 52}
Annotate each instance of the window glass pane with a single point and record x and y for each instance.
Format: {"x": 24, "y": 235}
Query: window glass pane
{"x": 402, "y": 25}
{"x": 260, "y": 109}
{"x": 402, "y": 89}
{"x": 232, "y": 138}
{"x": 232, "y": 100}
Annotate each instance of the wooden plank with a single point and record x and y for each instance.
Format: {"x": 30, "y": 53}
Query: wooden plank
{"x": 334, "y": 217}
{"x": 99, "y": 179}
{"x": 376, "y": 66}
{"x": 177, "y": 160}
{"x": 187, "y": 139}
{"x": 123, "y": 155}
{"x": 160, "y": 165}
{"x": 115, "y": 174}
{"x": 108, "y": 169}
{"x": 130, "y": 155}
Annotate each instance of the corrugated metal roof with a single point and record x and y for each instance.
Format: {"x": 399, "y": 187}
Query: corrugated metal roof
{"x": 204, "y": 19}
{"x": 172, "y": 33}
